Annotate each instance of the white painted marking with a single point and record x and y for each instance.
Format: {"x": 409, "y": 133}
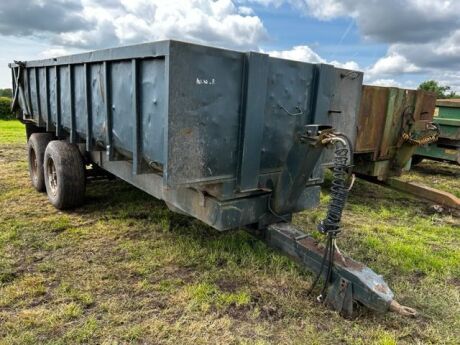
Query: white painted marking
{"x": 201, "y": 81}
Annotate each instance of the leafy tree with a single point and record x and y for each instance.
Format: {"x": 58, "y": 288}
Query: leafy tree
{"x": 6, "y": 93}
{"x": 5, "y": 112}
{"x": 441, "y": 91}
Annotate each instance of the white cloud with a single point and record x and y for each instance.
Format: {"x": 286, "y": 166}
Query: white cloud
{"x": 390, "y": 82}
{"x": 353, "y": 65}
{"x": 440, "y": 54}
{"x": 306, "y": 54}
{"x": 245, "y": 11}
{"x": 384, "y": 82}
{"x": 54, "y": 52}
{"x": 298, "y": 53}
{"x": 323, "y": 9}
{"x": 450, "y": 78}
{"x": 218, "y": 22}
{"x": 392, "y": 64}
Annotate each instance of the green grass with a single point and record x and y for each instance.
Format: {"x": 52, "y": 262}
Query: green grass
{"x": 11, "y": 132}
{"x": 123, "y": 269}
{"x": 439, "y": 175}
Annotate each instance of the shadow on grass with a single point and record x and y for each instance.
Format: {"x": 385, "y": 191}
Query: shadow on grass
{"x": 438, "y": 168}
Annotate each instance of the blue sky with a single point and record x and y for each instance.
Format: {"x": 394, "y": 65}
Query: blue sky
{"x": 335, "y": 39}
{"x": 394, "y": 42}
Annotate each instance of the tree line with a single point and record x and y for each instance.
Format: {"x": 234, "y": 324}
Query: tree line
{"x": 441, "y": 92}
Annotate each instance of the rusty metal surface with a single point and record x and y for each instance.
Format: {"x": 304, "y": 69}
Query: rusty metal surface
{"x": 388, "y": 116}
{"x": 371, "y": 118}
{"x": 381, "y": 115}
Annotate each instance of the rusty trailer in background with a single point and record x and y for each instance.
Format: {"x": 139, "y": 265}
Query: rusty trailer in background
{"x": 391, "y": 124}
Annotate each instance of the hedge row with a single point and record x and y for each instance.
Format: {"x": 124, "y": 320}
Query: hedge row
{"x": 5, "y": 106}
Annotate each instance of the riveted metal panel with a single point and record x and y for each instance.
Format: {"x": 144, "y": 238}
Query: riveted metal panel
{"x": 288, "y": 108}
{"x": 52, "y": 94}
{"x": 122, "y": 106}
{"x": 32, "y": 93}
{"x": 41, "y": 99}
{"x": 64, "y": 96}
{"x": 79, "y": 99}
{"x": 98, "y": 102}
{"x": 153, "y": 109}
{"x": 344, "y": 106}
{"x": 42, "y": 85}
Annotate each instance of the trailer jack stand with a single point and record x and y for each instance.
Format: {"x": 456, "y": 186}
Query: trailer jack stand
{"x": 351, "y": 281}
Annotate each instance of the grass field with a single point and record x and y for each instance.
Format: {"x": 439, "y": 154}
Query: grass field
{"x": 123, "y": 270}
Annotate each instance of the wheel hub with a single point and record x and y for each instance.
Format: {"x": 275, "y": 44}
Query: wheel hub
{"x": 52, "y": 177}
{"x": 34, "y": 165}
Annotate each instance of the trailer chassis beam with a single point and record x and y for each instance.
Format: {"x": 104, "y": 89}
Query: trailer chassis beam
{"x": 351, "y": 281}
{"x": 425, "y": 192}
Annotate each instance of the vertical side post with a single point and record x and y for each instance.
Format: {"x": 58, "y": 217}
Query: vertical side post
{"x": 58, "y": 102}
{"x": 73, "y": 129}
{"x": 325, "y": 82}
{"x": 108, "y": 110}
{"x": 16, "y": 89}
{"x": 137, "y": 125}
{"x": 37, "y": 88}
{"x": 89, "y": 109}
{"x": 47, "y": 96}
{"x": 29, "y": 96}
{"x": 253, "y": 109}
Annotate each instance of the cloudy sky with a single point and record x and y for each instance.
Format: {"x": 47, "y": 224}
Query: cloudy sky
{"x": 394, "y": 42}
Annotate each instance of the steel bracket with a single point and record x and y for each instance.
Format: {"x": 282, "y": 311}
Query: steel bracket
{"x": 340, "y": 296}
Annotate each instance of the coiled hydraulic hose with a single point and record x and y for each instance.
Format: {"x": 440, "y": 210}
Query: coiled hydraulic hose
{"x": 339, "y": 190}
{"x": 330, "y": 225}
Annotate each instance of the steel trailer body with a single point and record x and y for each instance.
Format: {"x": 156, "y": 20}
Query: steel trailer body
{"x": 237, "y": 140}
{"x": 207, "y": 130}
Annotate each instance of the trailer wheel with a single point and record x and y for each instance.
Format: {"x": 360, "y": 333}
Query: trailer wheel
{"x": 36, "y": 146}
{"x": 64, "y": 175}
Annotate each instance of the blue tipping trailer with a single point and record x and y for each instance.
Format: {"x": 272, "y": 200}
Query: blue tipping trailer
{"x": 235, "y": 139}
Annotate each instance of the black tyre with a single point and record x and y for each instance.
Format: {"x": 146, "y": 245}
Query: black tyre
{"x": 36, "y": 147}
{"x": 64, "y": 175}
{"x": 416, "y": 160}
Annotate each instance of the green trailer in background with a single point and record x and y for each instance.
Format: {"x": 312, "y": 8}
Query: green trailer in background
{"x": 447, "y": 148}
